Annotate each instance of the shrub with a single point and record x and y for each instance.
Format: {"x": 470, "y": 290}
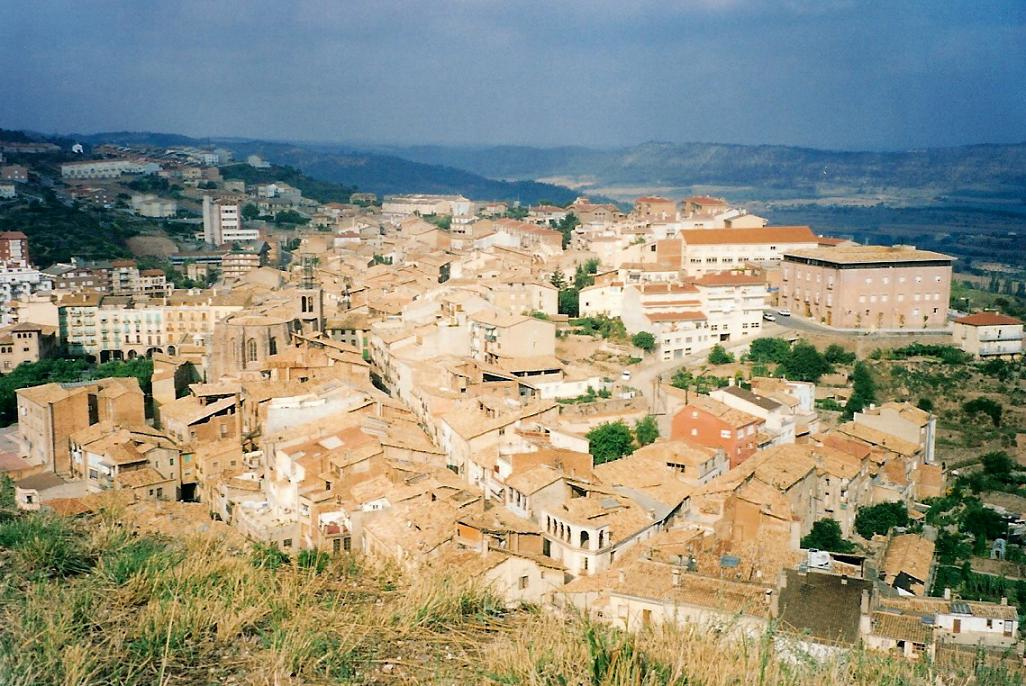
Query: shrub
{"x": 998, "y": 464}
{"x": 719, "y": 355}
{"x": 644, "y": 340}
{"x": 836, "y": 354}
{"x": 267, "y": 556}
{"x": 312, "y": 559}
{"x": 986, "y": 406}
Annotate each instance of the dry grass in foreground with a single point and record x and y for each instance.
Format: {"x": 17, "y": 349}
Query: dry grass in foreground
{"x": 87, "y": 602}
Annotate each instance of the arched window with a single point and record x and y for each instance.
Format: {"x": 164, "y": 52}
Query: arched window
{"x": 585, "y": 538}
{"x": 307, "y": 303}
{"x": 251, "y": 350}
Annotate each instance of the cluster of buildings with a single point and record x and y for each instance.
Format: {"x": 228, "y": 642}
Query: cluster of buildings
{"x": 396, "y": 392}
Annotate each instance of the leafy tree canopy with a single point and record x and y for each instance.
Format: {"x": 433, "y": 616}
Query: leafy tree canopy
{"x": 878, "y": 519}
{"x": 610, "y": 441}
{"x": 804, "y": 363}
{"x": 646, "y": 430}
{"x": 766, "y": 350}
{"x": 826, "y": 535}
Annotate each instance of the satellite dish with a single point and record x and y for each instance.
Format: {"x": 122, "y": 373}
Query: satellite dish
{"x": 77, "y": 149}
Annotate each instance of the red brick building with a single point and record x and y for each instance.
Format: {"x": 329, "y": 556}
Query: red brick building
{"x": 14, "y": 247}
{"x": 713, "y": 424}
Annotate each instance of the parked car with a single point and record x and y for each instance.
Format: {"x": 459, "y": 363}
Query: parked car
{"x": 768, "y": 317}
{"x": 626, "y": 376}
{"x": 784, "y": 313}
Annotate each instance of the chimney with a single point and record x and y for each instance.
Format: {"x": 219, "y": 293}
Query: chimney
{"x": 675, "y": 577}
{"x": 844, "y": 579}
{"x": 864, "y": 604}
{"x": 484, "y": 546}
{"x": 1004, "y": 600}
{"x": 731, "y": 381}
{"x": 947, "y": 594}
{"x": 622, "y": 576}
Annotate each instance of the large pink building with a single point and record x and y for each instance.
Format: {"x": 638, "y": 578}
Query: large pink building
{"x": 868, "y": 287}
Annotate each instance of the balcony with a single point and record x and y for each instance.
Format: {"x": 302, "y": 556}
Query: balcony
{"x": 1001, "y": 336}
{"x": 1004, "y": 348}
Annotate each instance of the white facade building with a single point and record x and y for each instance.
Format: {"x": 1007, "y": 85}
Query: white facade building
{"x": 222, "y": 222}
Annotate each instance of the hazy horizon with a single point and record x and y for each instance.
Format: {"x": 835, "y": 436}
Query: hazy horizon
{"x": 830, "y": 75}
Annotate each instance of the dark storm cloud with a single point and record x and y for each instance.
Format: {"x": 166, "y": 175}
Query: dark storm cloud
{"x": 824, "y": 74}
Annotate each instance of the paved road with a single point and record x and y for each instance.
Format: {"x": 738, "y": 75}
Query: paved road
{"x": 642, "y": 375}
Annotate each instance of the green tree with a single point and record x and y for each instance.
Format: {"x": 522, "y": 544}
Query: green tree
{"x": 583, "y": 276}
{"x": 767, "y": 350}
{"x": 290, "y": 217}
{"x": 566, "y": 227}
{"x": 987, "y": 406}
{"x": 610, "y": 441}
{"x": 646, "y": 430}
{"x": 569, "y": 302}
{"x": 925, "y": 404}
{"x": 804, "y": 363}
{"x": 878, "y": 519}
{"x": 644, "y": 340}
{"x": 863, "y": 390}
{"x": 719, "y": 355}
{"x": 982, "y": 522}
{"x": 998, "y": 465}
{"x": 558, "y": 280}
{"x": 250, "y": 211}
{"x": 826, "y": 535}
{"x": 836, "y": 354}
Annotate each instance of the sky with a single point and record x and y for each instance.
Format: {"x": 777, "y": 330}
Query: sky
{"x": 835, "y": 74}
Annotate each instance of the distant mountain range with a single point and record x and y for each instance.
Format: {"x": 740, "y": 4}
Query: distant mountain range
{"x": 366, "y": 170}
{"x": 743, "y": 173}
{"x": 993, "y": 168}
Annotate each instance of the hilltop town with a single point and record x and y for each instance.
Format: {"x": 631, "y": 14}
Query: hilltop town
{"x": 672, "y": 413}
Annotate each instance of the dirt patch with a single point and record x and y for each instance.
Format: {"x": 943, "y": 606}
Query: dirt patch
{"x": 159, "y": 246}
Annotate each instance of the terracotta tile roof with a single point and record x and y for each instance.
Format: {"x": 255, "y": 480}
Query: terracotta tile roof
{"x": 730, "y": 279}
{"x": 534, "y": 479}
{"x": 732, "y": 417}
{"x": 705, "y": 200}
{"x": 939, "y": 606}
{"x": 655, "y": 580}
{"x": 900, "y": 627}
{"x": 911, "y": 554}
{"x": 769, "y": 234}
{"x": 137, "y": 478}
{"x": 988, "y": 319}
{"x": 675, "y": 316}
